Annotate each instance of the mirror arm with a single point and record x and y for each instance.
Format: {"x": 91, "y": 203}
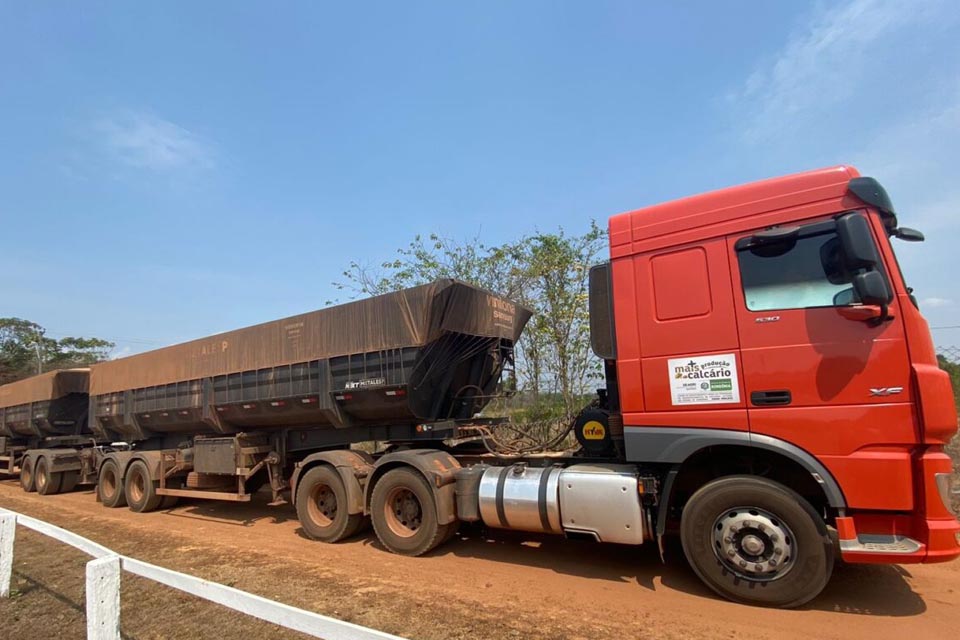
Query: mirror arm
{"x": 883, "y": 317}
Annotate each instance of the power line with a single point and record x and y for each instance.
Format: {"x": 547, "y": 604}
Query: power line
{"x": 952, "y": 326}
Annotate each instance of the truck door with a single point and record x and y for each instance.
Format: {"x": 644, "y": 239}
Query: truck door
{"x": 818, "y": 372}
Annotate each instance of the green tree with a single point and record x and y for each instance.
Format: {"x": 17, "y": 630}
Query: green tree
{"x": 26, "y": 350}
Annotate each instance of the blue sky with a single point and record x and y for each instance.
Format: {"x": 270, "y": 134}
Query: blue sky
{"x": 172, "y": 170}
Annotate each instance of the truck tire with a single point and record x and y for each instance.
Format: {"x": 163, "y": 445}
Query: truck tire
{"x": 28, "y": 482}
{"x": 756, "y": 541}
{"x": 169, "y": 502}
{"x": 322, "y": 506}
{"x": 404, "y": 513}
{"x": 110, "y": 486}
{"x": 139, "y": 488}
{"x": 48, "y": 482}
{"x": 70, "y": 479}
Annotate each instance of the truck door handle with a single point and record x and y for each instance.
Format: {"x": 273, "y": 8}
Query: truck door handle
{"x": 770, "y": 398}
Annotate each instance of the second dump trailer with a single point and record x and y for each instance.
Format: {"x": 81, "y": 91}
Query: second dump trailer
{"x": 47, "y": 416}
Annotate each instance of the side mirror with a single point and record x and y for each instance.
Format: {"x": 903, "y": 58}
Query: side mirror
{"x": 859, "y": 250}
{"x": 871, "y": 288}
{"x": 908, "y": 234}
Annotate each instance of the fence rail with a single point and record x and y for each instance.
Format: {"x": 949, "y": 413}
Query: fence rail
{"x": 103, "y": 588}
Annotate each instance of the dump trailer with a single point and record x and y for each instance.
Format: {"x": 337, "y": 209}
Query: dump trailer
{"x": 772, "y": 398}
{"x": 45, "y": 415}
{"x": 218, "y": 418}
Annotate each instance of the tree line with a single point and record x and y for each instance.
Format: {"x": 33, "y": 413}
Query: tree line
{"x": 26, "y": 350}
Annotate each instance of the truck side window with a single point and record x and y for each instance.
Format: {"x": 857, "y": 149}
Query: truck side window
{"x": 802, "y": 274}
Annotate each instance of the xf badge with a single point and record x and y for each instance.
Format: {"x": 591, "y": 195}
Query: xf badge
{"x": 885, "y": 391}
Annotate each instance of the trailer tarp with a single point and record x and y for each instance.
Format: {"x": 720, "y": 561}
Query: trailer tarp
{"x": 408, "y": 318}
{"x": 46, "y": 386}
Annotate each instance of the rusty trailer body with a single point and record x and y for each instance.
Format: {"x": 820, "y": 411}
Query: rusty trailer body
{"x": 422, "y": 354}
{"x": 47, "y": 411}
{"x": 49, "y": 404}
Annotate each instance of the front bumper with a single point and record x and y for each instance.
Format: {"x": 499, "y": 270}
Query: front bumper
{"x": 930, "y": 534}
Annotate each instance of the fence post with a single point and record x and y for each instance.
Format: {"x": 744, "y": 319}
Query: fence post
{"x": 103, "y": 598}
{"x": 8, "y": 528}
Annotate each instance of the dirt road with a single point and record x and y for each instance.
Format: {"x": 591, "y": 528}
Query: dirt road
{"x": 491, "y": 585}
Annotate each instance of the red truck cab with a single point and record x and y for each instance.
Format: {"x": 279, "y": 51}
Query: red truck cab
{"x": 767, "y": 329}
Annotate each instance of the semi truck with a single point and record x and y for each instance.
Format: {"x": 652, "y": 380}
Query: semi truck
{"x": 772, "y": 398}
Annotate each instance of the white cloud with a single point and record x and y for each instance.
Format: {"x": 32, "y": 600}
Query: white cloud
{"x": 821, "y": 63}
{"x": 874, "y": 83}
{"x": 146, "y": 141}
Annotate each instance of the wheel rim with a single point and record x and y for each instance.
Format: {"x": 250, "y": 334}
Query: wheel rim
{"x": 403, "y": 512}
{"x": 27, "y": 474}
{"x": 322, "y": 505}
{"x": 109, "y": 483}
{"x": 137, "y": 488}
{"x": 754, "y": 544}
{"x": 41, "y": 479}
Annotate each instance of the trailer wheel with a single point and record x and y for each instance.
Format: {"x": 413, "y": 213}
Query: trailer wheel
{"x": 70, "y": 479}
{"x": 169, "y": 502}
{"x": 322, "y": 506}
{"x": 755, "y": 541}
{"x": 404, "y": 513}
{"x": 48, "y": 482}
{"x": 139, "y": 488}
{"x": 27, "y": 480}
{"x": 110, "y": 486}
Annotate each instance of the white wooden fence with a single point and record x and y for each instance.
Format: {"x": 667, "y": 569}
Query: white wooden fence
{"x": 103, "y": 588}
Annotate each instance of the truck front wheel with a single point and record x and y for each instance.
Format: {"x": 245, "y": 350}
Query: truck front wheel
{"x": 755, "y": 541}
{"x": 322, "y": 506}
{"x": 110, "y": 486}
{"x": 404, "y": 513}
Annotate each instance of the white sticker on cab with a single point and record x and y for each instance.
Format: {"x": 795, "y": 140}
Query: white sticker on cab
{"x": 704, "y": 379}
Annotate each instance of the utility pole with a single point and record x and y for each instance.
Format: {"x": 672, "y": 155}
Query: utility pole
{"x": 39, "y": 356}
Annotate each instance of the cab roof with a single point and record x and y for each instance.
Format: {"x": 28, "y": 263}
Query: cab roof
{"x": 734, "y": 209}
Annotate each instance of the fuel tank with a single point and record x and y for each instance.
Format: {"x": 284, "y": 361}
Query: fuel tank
{"x": 601, "y": 501}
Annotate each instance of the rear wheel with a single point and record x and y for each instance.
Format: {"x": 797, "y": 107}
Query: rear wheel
{"x": 70, "y": 479}
{"x": 322, "y": 506}
{"x": 48, "y": 482}
{"x": 404, "y": 513}
{"x": 755, "y": 541}
{"x": 28, "y": 481}
{"x": 140, "y": 489}
{"x": 110, "y": 486}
